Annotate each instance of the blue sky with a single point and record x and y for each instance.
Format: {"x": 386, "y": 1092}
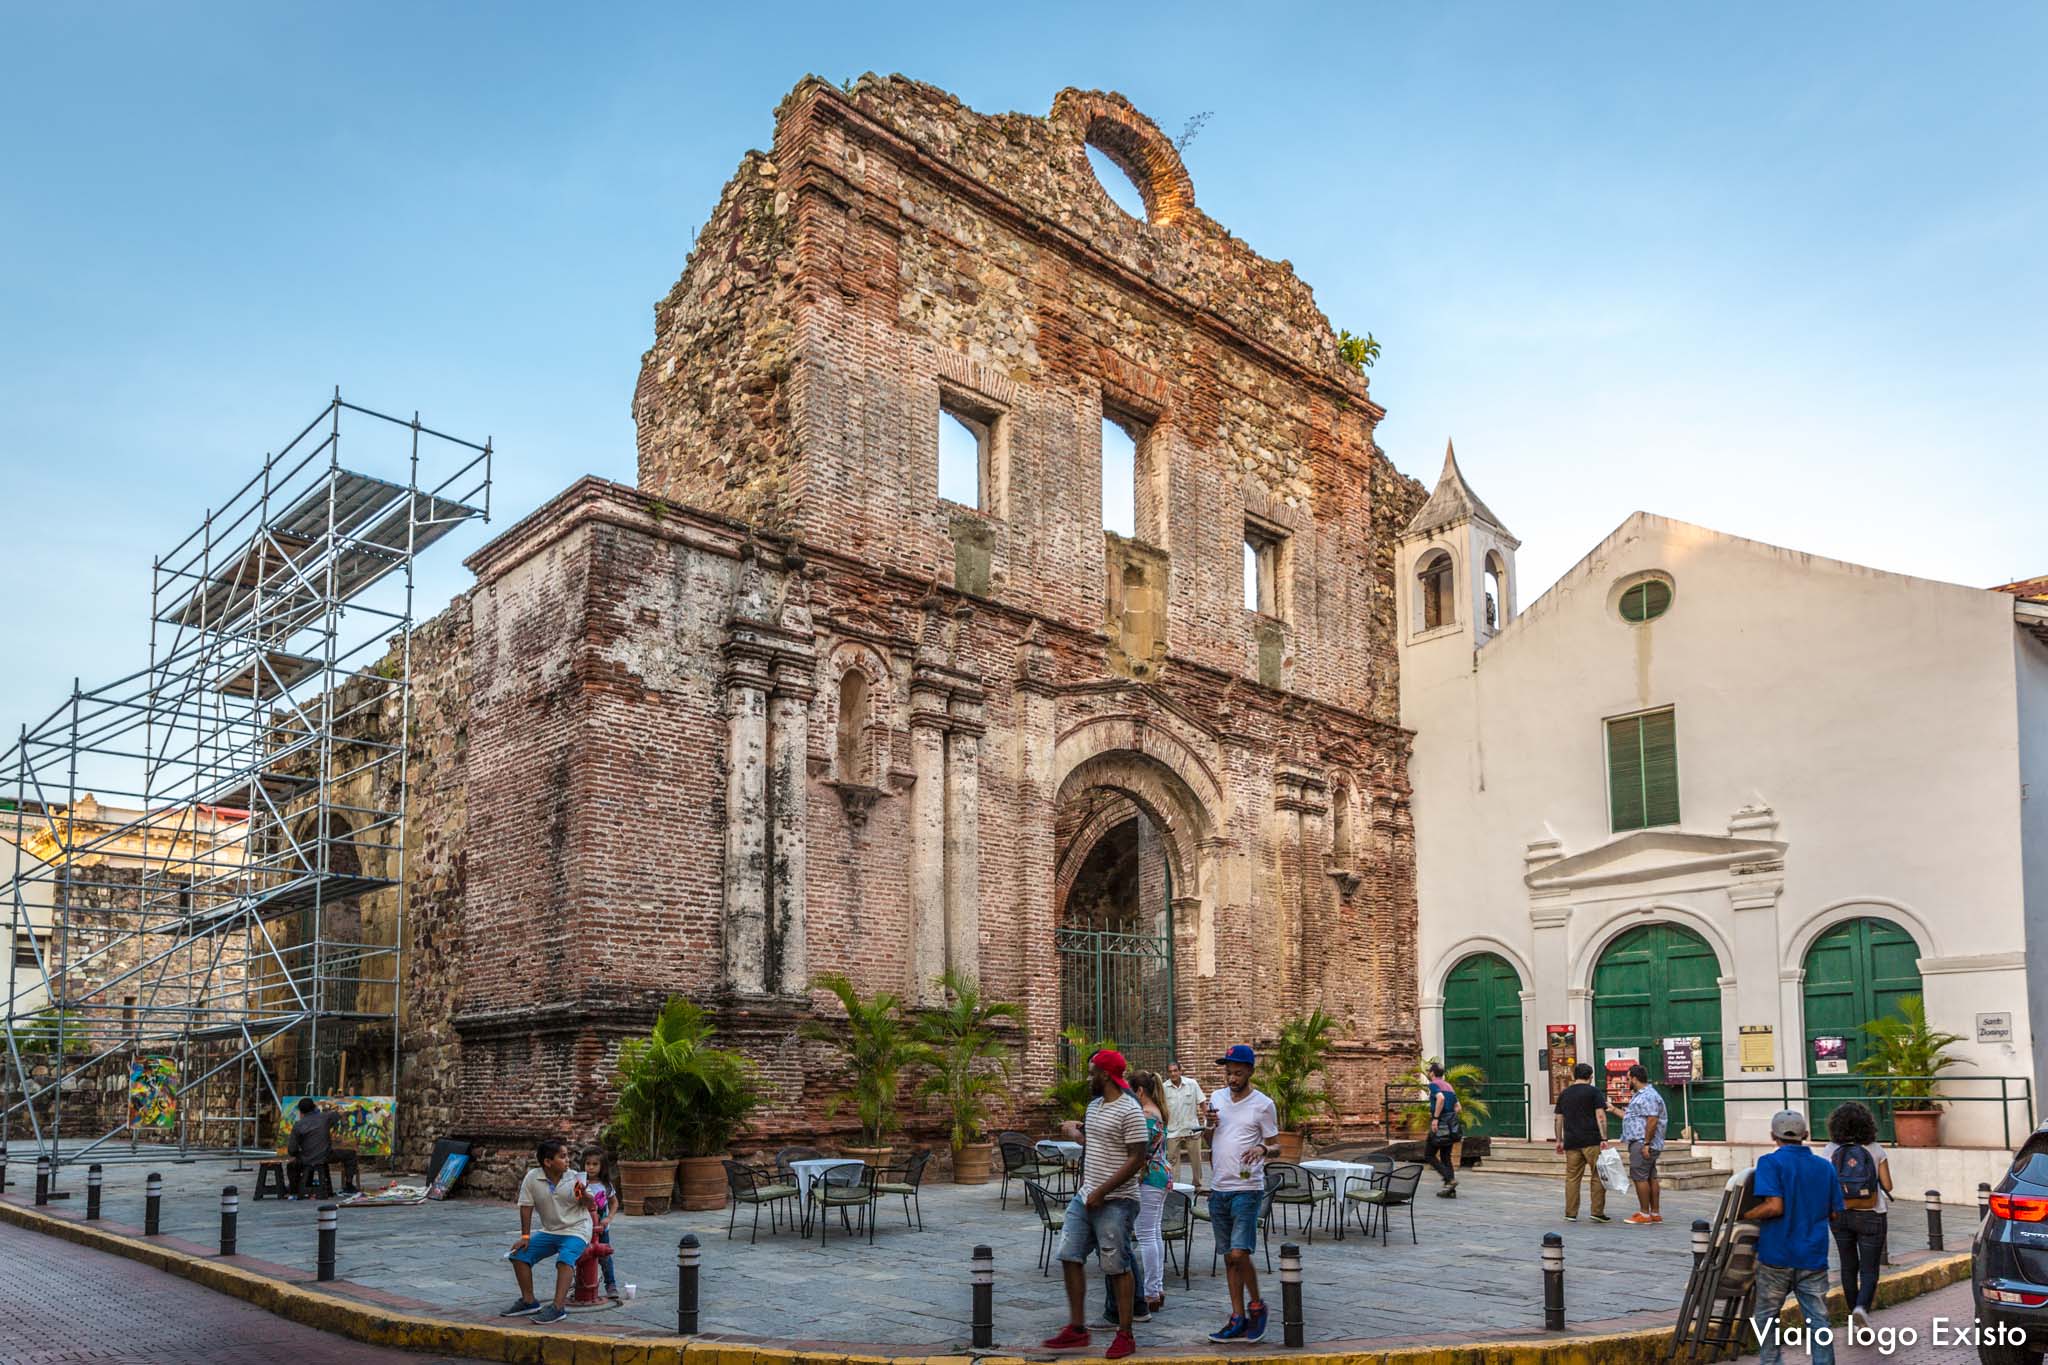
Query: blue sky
{"x": 1772, "y": 269}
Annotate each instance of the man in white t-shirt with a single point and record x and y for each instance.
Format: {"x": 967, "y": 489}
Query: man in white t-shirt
{"x": 1183, "y": 1122}
{"x": 1114, "y": 1148}
{"x": 1245, "y": 1125}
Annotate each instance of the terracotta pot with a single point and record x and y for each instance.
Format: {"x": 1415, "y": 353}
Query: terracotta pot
{"x": 971, "y": 1163}
{"x": 1917, "y": 1127}
{"x": 703, "y": 1182}
{"x": 1290, "y": 1145}
{"x": 641, "y": 1181}
{"x": 874, "y": 1156}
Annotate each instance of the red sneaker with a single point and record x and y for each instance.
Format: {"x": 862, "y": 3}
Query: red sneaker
{"x": 1067, "y": 1337}
{"x": 1120, "y": 1347}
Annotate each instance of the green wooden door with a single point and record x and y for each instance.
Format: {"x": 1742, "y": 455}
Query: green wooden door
{"x": 1483, "y": 1027}
{"x": 1855, "y": 972}
{"x": 1660, "y": 981}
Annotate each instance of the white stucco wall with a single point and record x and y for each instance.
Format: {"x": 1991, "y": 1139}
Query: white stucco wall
{"x": 1866, "y": 721}
{"x": 2031, "y": 665}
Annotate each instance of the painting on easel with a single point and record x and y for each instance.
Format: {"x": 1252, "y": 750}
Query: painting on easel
{"x": 153, "y": 1092}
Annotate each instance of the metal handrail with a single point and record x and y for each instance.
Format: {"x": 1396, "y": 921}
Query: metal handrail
{"x": 1876, "y": 1091}
{"x": 1401, "y": 1094}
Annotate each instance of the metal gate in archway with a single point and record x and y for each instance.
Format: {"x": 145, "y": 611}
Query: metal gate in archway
{"x": 1119, "y": 986}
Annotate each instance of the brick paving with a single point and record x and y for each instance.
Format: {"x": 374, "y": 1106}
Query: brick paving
{"x": 62, "y": 1304}
{"x": 1477, "y": 1259}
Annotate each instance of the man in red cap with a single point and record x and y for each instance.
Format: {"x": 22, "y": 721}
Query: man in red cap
{"x": 1103, "y": 1211}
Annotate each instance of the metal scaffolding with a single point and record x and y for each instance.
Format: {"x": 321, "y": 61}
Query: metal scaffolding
{"x": 208, "y": 856}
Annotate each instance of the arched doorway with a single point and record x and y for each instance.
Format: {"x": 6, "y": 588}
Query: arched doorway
{"x": 1855, "y": 972}
{"x": 1659, "y": 981}
{"x": 1114, "y": 927}
{"x": 1483, "y": 1028}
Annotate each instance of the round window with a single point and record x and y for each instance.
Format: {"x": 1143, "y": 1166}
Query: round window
{"x": 1645, "y": 601}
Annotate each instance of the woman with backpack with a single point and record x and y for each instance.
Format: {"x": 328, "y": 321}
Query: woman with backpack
{"x": 1866, "y": 1179}
{"x": 1445, "y": 1128}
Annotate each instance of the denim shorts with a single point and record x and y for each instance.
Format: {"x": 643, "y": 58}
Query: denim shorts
{"x": 1234, "y": 1214}
{"x": 1106, "y": 1231}
{"x": 546, "y": 1244}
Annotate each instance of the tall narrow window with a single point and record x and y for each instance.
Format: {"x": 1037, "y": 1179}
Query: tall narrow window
{"x": 1496, "y": 591}
{"x": 1340, "y": 824}
{"x": 1119, "y": 477}
{"x": 853, "y": 728}
{"x": 963, "y": 457}
{"x": 1642, "y": 770}
{"x": 1262, "y": 568}
{"x": 1434, "y": 598}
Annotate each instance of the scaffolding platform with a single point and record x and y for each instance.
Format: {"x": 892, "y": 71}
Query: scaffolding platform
{"x": 205, "y": 860}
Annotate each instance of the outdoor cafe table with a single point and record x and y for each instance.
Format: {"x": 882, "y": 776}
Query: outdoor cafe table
{"x": 1339, "y": 1174}
{"x": 809, "y": 1169}
{"x": 1068, "y": 1154}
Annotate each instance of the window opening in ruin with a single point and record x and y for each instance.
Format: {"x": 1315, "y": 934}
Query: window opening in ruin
{"x": 853, "y": 729}
{"x": 1436, "y": 601}
{"x": 1119, "y": 478}
{"x": 1340, "y": 825}
{"x": 1121, "y": 189}
{"x": 1262, "y": 550}
{"x": 25, "y": 948}
{"x": 963, "y": 457}
{"x": 1496, "y": 592}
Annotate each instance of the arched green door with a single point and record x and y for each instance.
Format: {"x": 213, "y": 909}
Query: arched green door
{"x": 1855, "y": 972}
{"x": 1659, "y": 981}
{"x": 1483, "y": 1027}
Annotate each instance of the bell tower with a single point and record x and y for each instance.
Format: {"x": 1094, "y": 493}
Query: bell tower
{"x": 1455, "y": 567}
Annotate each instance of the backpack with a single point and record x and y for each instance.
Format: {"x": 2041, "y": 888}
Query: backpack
{"x": 1856, "y": 1171}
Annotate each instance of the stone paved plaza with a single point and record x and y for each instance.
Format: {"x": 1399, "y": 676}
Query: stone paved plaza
{"x": 1473, "y": 1274}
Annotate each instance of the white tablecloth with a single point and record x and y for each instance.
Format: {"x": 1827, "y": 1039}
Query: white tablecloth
{"x": 808, "y": 1169}
{"x": 1338, "y": 1173}
{"x": 1069, "y": 1152}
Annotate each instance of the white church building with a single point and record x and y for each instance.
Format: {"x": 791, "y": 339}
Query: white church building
{"x": 1715, "y": 789}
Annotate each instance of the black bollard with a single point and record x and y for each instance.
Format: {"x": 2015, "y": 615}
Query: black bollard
{"x": 1702, "y": 1238}
{"x": 1290, "y": 1294}
{"x": 330, "y": 1214}
{"x": 152, "y": 1204}
{"x": 230, "y": 1205}
{"x": 92, "y": 1192}
{"x": 1553, "y": 1282}
{"x": 687, "y": 1258}
{"x": 1934, "y": 1220}
{"x": 984, "y": 1276}
{"x": 42, "y": 1180}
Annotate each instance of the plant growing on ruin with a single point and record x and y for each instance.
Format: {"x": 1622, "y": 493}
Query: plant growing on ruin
{"x": 1907, "y": 1056}
{"x": 1466, "y": 1082}
{"x": 1069, "y": 1092}
{"x": 679, "y": 1096}
{"x": 1356, "y": 351}
{"x": 1295, "y": 1060}
{"x": 971, "y": 1064}
{"x": 879, "y": 1046}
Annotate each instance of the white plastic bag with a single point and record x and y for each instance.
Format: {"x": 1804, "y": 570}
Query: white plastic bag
{"x": 1613, "y": 1171}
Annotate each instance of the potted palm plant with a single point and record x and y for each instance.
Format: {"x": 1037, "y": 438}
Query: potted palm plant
{"x": 971, "y": 1066}
{"x": 879, "y": 1046}
{"x": 1907, "y": 1056}
{"x": 1069, "y": 1089}
{"x": 680, "y": 1101}
{"x": 1297, "y": 1057}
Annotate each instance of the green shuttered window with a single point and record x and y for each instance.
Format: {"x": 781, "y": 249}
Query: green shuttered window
{"x": 1646, "y": 601}
{"x": 1642, "y": 770}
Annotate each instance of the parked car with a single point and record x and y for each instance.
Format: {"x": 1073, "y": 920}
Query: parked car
{"x": 2010, "y": 1274}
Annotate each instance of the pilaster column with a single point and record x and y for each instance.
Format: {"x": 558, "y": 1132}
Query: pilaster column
{"x": 963, "y": 835}
{"x": 788, "y": 824}
{"x": 746, "y": 817}
{"x": 927, "y": 840}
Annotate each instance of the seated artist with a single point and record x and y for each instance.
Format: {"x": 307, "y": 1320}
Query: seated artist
{"x": 312, "y": 1145}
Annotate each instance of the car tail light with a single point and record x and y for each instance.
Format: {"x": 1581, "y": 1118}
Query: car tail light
{"x": 2019, "y": 1208}
{"x": 2015, "y": 1296}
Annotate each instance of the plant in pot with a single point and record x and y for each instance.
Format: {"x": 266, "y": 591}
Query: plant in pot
{"x": 878, "y": 1045}
{"x": 971, "y": 1067}
{"x": 1907, "y": 1057}
{"x": 1467, "y": 1082}
{"x": 1069, "y": 1090}
{"x": 680, "y": 1098}
{"x": 1294, "y": 1061}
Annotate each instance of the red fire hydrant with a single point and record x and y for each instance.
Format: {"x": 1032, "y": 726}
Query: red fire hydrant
{"x": 587, "y": 1272}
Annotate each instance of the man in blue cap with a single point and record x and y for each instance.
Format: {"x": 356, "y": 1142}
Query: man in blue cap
{"x": 1246, "y": 1124}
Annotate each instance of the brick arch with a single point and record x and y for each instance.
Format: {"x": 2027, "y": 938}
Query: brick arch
{"x": 1113, "y": 126}
{"x": 1161, "y": 776}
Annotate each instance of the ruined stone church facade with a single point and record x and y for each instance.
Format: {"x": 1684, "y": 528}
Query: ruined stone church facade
{"x": 781, "y": 709}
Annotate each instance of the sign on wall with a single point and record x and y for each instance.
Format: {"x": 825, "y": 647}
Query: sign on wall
{"x": 1830, "y": 1056}
{"x": 1682, "y": 1060}
{"x": 1759, "y": 1048}
{"x": 1995, "y": 1028}
{"x": 1560, "y": 1056}
{"x": 1619, "y": 1060}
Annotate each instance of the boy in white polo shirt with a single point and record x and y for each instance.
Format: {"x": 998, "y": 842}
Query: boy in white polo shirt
{"x": 562, "y": 1199}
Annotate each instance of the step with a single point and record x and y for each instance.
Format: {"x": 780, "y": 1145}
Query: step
{"x": 1680, "y": 1167}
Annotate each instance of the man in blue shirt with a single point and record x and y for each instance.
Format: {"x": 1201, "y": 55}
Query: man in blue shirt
{"x": 1797, "y": 1196}
{"x": 1642, "y": 1128}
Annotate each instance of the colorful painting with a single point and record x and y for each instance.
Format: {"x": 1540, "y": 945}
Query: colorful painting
{"x": 364, "y": 1122}
{"x": 451, "y": 1173}
{"x": 153, "y": 1092}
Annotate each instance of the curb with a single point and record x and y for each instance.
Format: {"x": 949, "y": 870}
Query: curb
{"x": 515, "y": 1346}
